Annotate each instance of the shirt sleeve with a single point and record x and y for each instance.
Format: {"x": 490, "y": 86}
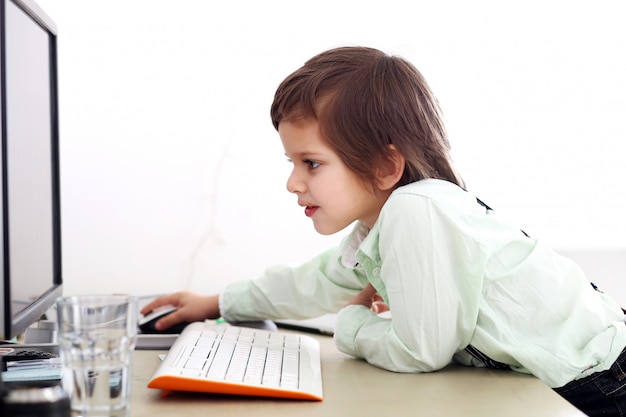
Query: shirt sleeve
{"x": 322, "y": 285}
{"x": 431, "y": 271}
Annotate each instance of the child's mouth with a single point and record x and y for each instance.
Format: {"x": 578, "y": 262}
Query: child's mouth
{"x": 310, "y": 210}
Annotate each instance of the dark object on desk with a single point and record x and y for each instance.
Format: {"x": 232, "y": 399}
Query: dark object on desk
{"x": 27, "y": 355}
{"x": 35, "y": 402}
{"x": 324, "y": 324}
{"x": 26, "y": 401}
{"x": 147, "y": 323}
{"x": 262, "y": 325}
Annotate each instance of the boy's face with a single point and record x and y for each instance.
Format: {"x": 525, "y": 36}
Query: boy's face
{"x": 333, "y": 196}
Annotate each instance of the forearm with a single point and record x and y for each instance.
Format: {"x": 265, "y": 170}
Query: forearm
{"x": 314, "y": 288}
{"x": 361, "y": 333}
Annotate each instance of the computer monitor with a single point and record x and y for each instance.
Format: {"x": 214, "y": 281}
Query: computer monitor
{"x": 30, "y": 229}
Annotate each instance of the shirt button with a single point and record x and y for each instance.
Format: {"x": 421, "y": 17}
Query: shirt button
{"x": 376, "y": 271}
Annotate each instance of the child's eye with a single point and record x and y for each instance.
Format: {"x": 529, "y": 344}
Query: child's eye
{"x": 312, "y": 164}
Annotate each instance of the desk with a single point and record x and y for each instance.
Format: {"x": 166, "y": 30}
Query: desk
{"x": 354, "y": 388}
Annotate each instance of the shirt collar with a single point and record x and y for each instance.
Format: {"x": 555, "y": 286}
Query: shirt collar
{"x": 359, "y": 243}
{"x": 351, "y": 245}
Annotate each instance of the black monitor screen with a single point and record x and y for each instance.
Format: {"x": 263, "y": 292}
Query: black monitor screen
{"x": 31, "y": 262}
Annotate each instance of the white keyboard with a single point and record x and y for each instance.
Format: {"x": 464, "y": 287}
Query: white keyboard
{"x": 219, "y": 358}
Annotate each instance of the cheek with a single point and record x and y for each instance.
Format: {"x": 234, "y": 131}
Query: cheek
{"x": 337, "y": 187}
{"x": 327, "y": 187}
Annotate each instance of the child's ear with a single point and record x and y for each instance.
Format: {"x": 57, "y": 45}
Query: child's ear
{"x": 390, "y": 170}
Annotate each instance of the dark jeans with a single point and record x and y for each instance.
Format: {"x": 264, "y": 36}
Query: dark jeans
{"x": 602, "y": 393}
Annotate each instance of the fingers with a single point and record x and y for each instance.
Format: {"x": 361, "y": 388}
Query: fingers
{"x": 365, "y": 296}
{"x": 378, "y": 304}
{"x": 168, "y": 321}
{"x": 169, "y": 299}
{"x": 369, "y": 298}
{"x": 379, "y": 307}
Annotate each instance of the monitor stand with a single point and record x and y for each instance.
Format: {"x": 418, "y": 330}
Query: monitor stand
{"x": 40, "y": 336}
{"x": 44, "y": 331}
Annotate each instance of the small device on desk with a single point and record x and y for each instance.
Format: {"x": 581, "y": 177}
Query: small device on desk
{"x": 29, "y": 367}
{"x": 30, "y": 384}
{"x": 224, "y": 359}
{"x": 147, "y": 324}
{"x": 24, "y": 356}
{"x": 149, "y": 338}
{"x": 25, "y": 399}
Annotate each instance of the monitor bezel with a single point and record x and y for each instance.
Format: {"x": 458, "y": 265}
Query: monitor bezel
{"x": 15, "y": 322}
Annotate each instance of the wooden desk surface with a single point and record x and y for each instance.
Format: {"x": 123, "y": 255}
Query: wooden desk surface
{"x": 354, "y": 388}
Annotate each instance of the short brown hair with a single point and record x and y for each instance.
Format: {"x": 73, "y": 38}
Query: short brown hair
{"x": 364, "y": 100}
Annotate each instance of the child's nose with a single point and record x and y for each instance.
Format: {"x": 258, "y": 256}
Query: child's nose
{"x": 294, "y": 183}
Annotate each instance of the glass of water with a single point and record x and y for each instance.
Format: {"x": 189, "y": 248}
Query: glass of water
{"x": 97, "y": 336}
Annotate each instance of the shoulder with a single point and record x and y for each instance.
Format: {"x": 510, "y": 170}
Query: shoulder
{"x": 432, "y": 206}
{"x": 437, "y": 193}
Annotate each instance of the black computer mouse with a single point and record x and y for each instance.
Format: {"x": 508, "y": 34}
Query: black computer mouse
{"x": 147, "y": 322}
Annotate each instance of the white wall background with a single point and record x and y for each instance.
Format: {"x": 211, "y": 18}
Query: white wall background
{"x": 173, "y": 177}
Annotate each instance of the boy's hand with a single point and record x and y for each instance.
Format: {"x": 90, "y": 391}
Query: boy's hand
{"x": 190, "y": 307}
{"x": 369, "y": 298}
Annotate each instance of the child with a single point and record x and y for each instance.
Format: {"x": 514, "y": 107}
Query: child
{"x": 368, "y": 145}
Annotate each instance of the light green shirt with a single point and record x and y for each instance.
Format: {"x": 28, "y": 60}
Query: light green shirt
{"x": 453, "y": 274}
